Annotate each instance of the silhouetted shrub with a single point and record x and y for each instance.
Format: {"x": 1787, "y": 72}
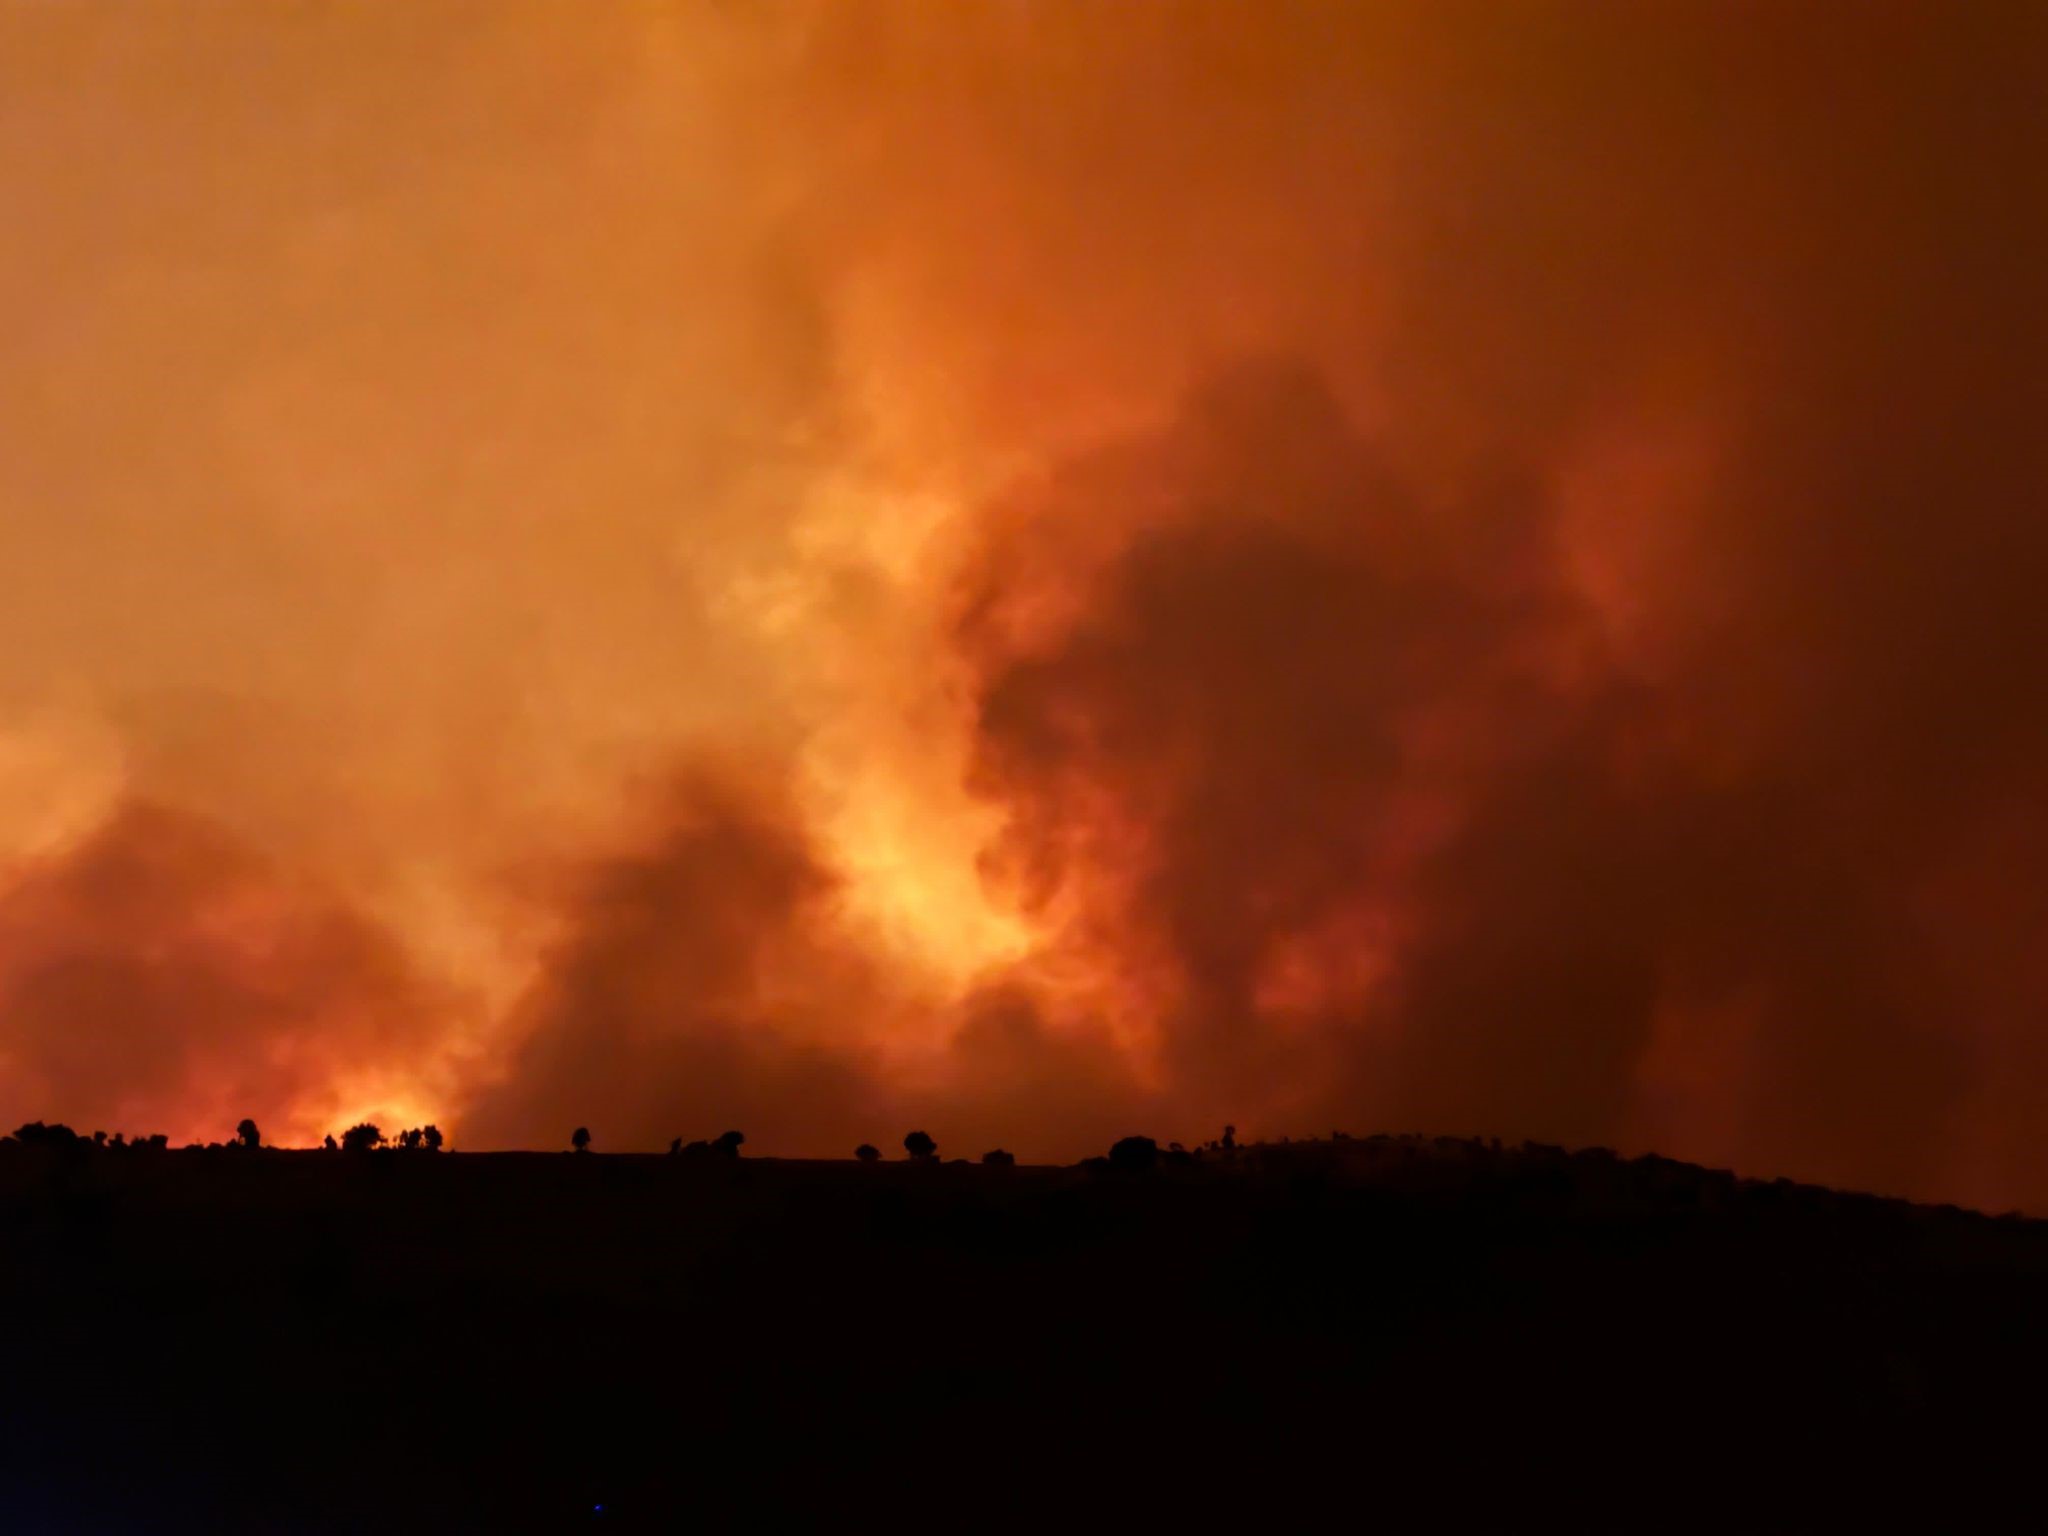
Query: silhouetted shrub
{"x": 329, "y": 1144}
{"x": 1134, "y": 1154}
{"x": 247, "y": 1136}
{"x": 361, "y": 1138}
{"x": 921, "y": 1147}
{"x": 580, "y": 1138}
{"x": 675, "y": 1147}
{"x": 867, "y": 1153}
{"x": 1229, "y": 1142}
{"x": 998, "y": 1158}
{"x": 59, "y": 1138}
{"x": 728, "y": 1143}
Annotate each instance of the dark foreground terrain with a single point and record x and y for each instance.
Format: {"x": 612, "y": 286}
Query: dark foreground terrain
{"x": 1351, "y": 1334}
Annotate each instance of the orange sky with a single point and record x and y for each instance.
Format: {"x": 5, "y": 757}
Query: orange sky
{"x": 1048, "y": 571}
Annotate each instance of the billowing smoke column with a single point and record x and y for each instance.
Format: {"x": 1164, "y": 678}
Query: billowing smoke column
{"x": 1363, "y": 804}
{"x": 1039, "y": 572}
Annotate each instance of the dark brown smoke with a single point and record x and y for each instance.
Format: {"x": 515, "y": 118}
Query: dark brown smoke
{"x": 705, "y": 979}
{"x": 161, "y": 976}
{"x": 1615, "y": 799}
{"x": 1411, "y": 842}
{"x": 696, "y": 988}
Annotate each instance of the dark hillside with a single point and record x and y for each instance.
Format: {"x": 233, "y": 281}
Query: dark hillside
{"x": 1433, "y": 1332}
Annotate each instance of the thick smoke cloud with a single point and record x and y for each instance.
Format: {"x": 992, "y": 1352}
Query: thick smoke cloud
{"x": 696, "y": 988}
{"x": 160, "y": 976}
{"x": 1378, "y": 823}
{"x": 707, "y": 978}
{"x": 1473, "y": 567}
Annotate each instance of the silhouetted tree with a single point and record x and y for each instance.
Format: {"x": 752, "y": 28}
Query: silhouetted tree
{"x": 60, "y": 1137}
{"x": 433, "y": 1138}
{"x": 361, "y": 1138}
{"x": 120, "y": 1141}
{"x": 921, "y": 1147}
{"x": 246, "y": 1135}
{"x": 728, "y": 1144}
{"x": 158, "y": 1143}
{"x": 675, "y": 1147}
{"x": 580, "y": 1140}
{"x": 867, "y": 1153}
{"x": 409, "y": 1140}
{"x": 329, "y": 1143}
{"x": 1134, "y": 1154}
{"x": 998, "y": 1158}
{"x": 1230, "y": 1138}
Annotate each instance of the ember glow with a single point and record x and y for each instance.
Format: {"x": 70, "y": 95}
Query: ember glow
{"x": 1042, "y": 571}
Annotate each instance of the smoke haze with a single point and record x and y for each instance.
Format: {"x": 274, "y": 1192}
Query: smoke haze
{"x": 1037, "y": 571}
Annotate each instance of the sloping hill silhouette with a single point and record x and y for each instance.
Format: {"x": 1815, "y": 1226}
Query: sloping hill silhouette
{"x": 1414, "y": 1330}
